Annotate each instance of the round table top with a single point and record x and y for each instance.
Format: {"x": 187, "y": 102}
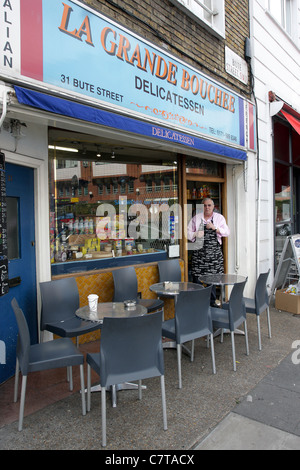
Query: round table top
{"x": 111, "y": 310}
{"x": 174, "y": 288}
{"x": 222, "y": 279}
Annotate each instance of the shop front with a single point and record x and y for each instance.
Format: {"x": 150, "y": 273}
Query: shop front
{"x": 123, "y": 149}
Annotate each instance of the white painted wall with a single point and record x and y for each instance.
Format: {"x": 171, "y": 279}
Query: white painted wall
{"x": 276, "y": 67}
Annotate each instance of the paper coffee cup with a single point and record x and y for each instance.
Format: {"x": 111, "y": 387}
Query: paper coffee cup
{"x": 93, "y": 302}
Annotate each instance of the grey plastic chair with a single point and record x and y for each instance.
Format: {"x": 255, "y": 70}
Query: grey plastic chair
{"x": 130, "y": 349}
{"x": 169, "y": 270}
{"x": 126, "y": 288}
{"x": 50, "y": 355}
{"x": 192, "y": 320}
{"x": 260, "y": 304}
{"x": 60, "y": 300}
{"x": 232, "y": 316}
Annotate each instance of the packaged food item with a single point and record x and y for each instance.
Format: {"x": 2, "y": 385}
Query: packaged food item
{"x": 129, "y": 243}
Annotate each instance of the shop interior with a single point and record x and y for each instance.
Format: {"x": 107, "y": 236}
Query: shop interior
{"x": 115, "y": 199}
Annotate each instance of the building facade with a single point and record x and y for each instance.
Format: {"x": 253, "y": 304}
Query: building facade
{"x": 118, "y": 118}
{"x": 275, "y": 34}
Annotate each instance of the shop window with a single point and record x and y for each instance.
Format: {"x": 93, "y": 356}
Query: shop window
{"x": 121, "y": 209}
{"x": 296, "y": 148}
{"x": 281, "y": 142}
{"x": 209, "y": 13}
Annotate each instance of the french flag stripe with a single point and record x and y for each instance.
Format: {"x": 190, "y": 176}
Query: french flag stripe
{"x": 31, "y": 12}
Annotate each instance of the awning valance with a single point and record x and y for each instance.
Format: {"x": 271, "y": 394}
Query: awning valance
{"x": 65, "y": 107}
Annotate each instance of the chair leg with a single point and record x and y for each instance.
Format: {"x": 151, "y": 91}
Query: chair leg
{"x": 22, "y": 402}
{"x": 212, "y": 353}
{"x": 114, "y": 396}
{"x": 103, "y": 412}
{"x": 246, "y": 338}
{"x": 192, "y": 350}
{"x": 82, "y": 390}
{"x": 269, "y": 322}
{"x": 179, "y": 365}
{"x": 163, "y": 397}
{"x": 140, "y": 389}
{"x": 258, "y": 332}
{"x": 233, "y": 350}
{"x": 88, "y": 395}
{"x": 17, "y": 373}
{"x": 70, "y": 374}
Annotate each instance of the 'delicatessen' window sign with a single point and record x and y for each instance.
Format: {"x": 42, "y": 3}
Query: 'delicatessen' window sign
{"x": 75, "y": 49}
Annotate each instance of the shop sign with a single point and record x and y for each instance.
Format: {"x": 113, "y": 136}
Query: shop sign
{"x": 72, "y": 50}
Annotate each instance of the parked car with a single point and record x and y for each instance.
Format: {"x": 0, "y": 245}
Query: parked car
{"x": 283, "y": 228}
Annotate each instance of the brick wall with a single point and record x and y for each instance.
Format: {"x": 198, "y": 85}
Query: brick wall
{"x": 160, "y": 22}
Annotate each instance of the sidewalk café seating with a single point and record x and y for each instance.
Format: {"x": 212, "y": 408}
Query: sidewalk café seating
{"x": 130, "y": 349}
{"x": 126, "y": 288}
{"x": 232, "y": 316}
{"x": 260, "y": 303}
{"x": 60, "y": 300}
{"x": 49, "y": 355}
{"x": 192, "y": 320}
{"x": 169, "y": 270}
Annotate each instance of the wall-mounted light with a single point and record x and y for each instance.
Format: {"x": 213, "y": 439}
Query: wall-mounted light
{"x": 98, "y": 154}
{"x": 64, "y": 149}
{"x": 113, "y": 155}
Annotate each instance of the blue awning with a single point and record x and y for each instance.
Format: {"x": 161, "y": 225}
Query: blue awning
{"x": 64, "y": 107}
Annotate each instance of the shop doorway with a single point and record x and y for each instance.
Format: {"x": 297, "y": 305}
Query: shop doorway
{"x": 203, "y": 179}
{"x": 21, "y": 263}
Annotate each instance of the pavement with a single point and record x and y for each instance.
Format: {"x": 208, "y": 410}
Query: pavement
{"x": 268, "y": 418}
{"x": 254, "y": 408}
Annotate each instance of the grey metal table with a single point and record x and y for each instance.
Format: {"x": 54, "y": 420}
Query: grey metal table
{"x": 173, "y": 289}
{"x": 112, "y": 310}
{"x": 222, "y": 280}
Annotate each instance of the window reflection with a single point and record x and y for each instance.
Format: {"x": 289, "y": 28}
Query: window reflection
{"x": 101, "y": 209}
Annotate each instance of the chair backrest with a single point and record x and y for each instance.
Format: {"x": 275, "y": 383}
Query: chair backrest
{"x": 125, "y": 284}
{"x": 60, "y": 300}
{"x": 131, "y": 348}
{"x": 23, "y": 344}
{"x": 169, "y": 270}
{"x": 236, "y": 307}
{"x": 192, "y": 314}
{"x": 261, "y": 294}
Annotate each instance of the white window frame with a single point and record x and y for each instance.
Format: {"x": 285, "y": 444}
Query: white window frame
{"x": 211, "y": 18}
{"x": 287, "y": 9}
